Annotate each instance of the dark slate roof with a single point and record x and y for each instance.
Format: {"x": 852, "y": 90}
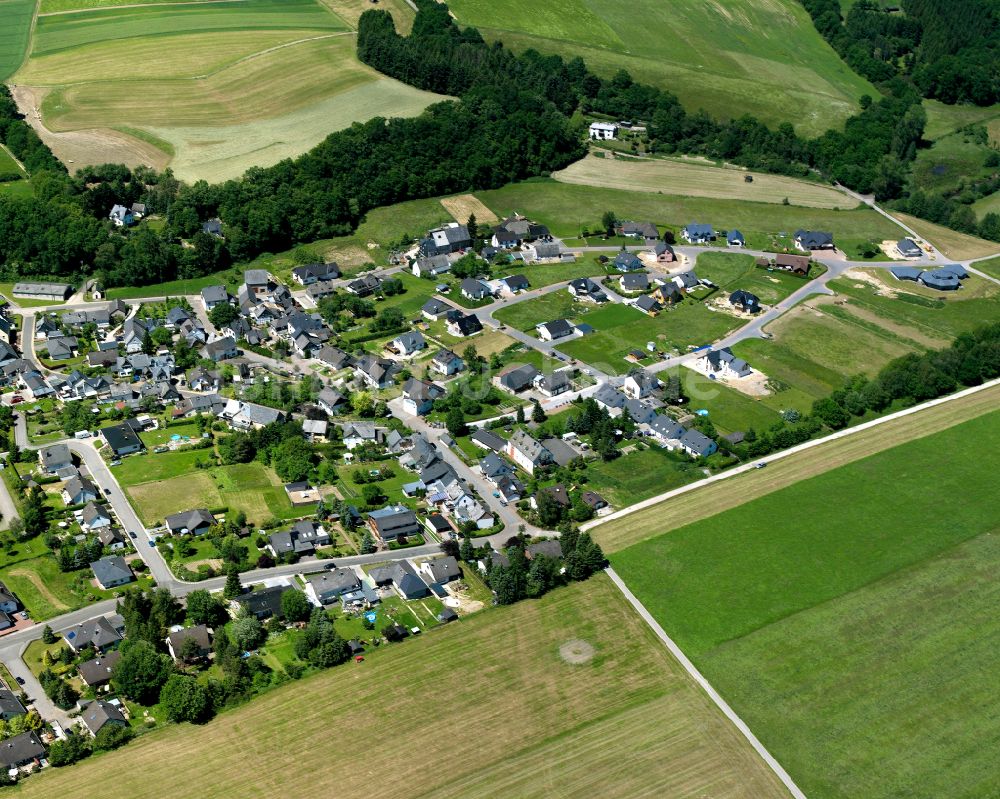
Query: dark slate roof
{"x": 20, "y": 749}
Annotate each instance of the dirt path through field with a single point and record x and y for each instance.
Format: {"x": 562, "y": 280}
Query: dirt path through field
{"x": 34, "y": 579}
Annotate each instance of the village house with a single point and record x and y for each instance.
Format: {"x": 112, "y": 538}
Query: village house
{"x": 303, "y": 538}
{"x": 199, "y": 633}
{"x": 648, "y": 305}
{"x": 813, "y": 240}
{"x": 722, "y": 363}
{"x": 388, "y": 524}
{"x": 112, "y": 571}
{"x": 556, "y": 329}
{"x": 313, "y": 273}
{"x": 376, "y": 373}
{"x": 627, "y": 262}
{"x": 401, "y": 576}
{"x": 526, "y": 452}
{"x": 602, "y": 131}
{"x": 461, "y": 325}
{"x": 697, "y": 444}
{"x": 407, "y": 344}
{"x": 664, "y": 253}
{"x": 640, "y": 384}
{"x": 516, "y": 378}
{"x": 453, "y": 237}
{"x": 447, "y": 363}
{"x": 698, "y": 233}
{"x": 196, "y": 522}
{"x": 329, "y": 586}
{"x": 100, "y": 634}
{"x": 745, "y": 301}
{"x": 584, "y": 288}
{"x": 419, "y": 396}
{"x": 735, "y": 239}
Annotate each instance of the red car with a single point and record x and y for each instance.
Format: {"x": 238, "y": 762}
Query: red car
{"x": 16, "y": 399}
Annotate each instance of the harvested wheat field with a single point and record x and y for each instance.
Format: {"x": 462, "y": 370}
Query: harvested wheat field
{"x": 499, "y": 710}
{"x": 692, "y": 179}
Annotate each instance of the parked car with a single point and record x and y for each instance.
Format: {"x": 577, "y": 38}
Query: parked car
{"x": 107, "y": 492}
{"x": 20, "y": 680}
{"x": 760, "y": 465}
{"x": 132, "y": 535}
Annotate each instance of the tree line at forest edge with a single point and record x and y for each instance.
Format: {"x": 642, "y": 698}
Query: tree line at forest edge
{"x": 517, "y": 117}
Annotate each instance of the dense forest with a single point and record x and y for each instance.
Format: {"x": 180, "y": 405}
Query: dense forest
{"x": 948, "y": 49}
{"x": 516, "y": 116}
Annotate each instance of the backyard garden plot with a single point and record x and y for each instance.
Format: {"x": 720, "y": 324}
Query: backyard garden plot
{"x": 691, "y": 178}
{"x": 626, "y": 722}
{"x": 761, "y": 57}
{"x": 831, "y": 628}
{"x": 216, "y": 87}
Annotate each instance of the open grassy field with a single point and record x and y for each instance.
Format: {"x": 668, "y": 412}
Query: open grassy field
{"x": 14, "y": 34}
{"x": 639, "y": 475}
{"x": 832, "y": 627}
{"x": 990, "y": 266}
{"x": 703, "y": 502}
{"x": 214, "y": 87}
{"x": 567, "y": 209}
{"x": 728, "y": 409}
{"x": 762, "y": 57}
{"x": 627, "y": 723}
{"x": 944, "y": 119}
{"x": 160, "y": 484}
{"x": 698, "y": 179}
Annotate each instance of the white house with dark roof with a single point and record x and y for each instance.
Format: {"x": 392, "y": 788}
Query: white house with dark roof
{"x": 111, "y": 572}
{"x": 527, "y": 452}
{"x": 556, "y": 329}
{"x": 447, "y": 363}
{"x": 722, "y": 364}
{"x": 408, "y": 343}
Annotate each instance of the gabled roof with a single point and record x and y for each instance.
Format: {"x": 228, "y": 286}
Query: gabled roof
{"x": 190, "y": 519}
{"x": 813, "y": 239}
{"x": 556, "y": 328}
{"x": 111, "y": 570}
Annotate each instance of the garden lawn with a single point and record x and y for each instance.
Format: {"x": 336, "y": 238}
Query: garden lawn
{"x": 249, "y": 487}
{"x": 639, "y": 475}
{"x": 728, "y": 409}
{"x": 731, "y": 271}
{"x": 689, "y": 323}
{"x": 554, "y": 305}
{"x": 627, "y": 722}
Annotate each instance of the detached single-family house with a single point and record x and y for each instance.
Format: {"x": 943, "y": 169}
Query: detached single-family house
{"x": 54, "y": 457}
{"x": 667, "y": 432}
{"x": 697, "y": 444}
{"x": 473, "y": 289}
{"x": 485, "y": 439}
{"x": 722, "y": 363}
{"x": 664, "y": 253}
{"x": 602, "y": 131}
{"x": 401, "y": 576}
{"x": 556, "y": 329}
{"x": 10, "y": 706}
{"x": 640, "y": 384}
{"x": 121, "y": 216}
{"x": 331, "y": 401}
{"x": 797, "y": 264}
{"x": 527, "y": 452}
{"x": 745, "y": 301}
{"x": 407, "y": 344}
{"x": 639, "y": 230}
{"x": 461, "y": 325}
{"x": 356, "y": 434}
{"x": 542, "y": 251}
{"x": 314, "y": 273}
{"x": 122, "y": 439}
{"x": 697, "y": 233}
{"x": 435, "y": 309}
{"x": 8, "y": 602}
{"x": 260, "y": 283}
{"x": 453, "y": 237}
{"x": 214, "y": 296}
{"x": 375, "y": 372}
{"x": 908, "y": 248}
{"x": 196, "y": 522}
{"x": 634, "y": 281}
{"x": 441, "y": 570}
{"x": 610, "y": 399}
{"x": 552, "y": 384}
{"x": 364, "y": 286}
{"x": 112, "y": 571}
{"x": 447, "y": 363}
{"x": 648, "y": 305}
{"x": 97, "y": 714}
{"x": 431, "y": 266}
{"x": 393, "y": 521}
{"x": 813, "y": 240}
{"x": 516, "y": 378}
{"x": 21, "y": 751}
{"x": 220, "y": 349}
{"x": 99, "y": 633}
{"x": 96, "y": 672}
{"x": 583, "y": 288}
{"x": 735, "y": 239}
{"x": 512, "y": 284}
{"x": 627, "y": 262}
{"x": 419, "y": 396}
{"x": 94, "y": 516}
{"x": 264, "y": 603}
{"x": 315, "y": 430}
{"x": 328, "y": 587}
{"x": 199, "y": 633}
{"x": 302, "y": 539}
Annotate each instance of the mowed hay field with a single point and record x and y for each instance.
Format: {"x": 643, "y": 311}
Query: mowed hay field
{"x": 761, "y": 57}
{"x": 15, "y": 30}
{"x": 495, "y": 711}
{"x": 847, "y": 617}
{"x": 672, "y": 176}
{"x": 217, "y": 86}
